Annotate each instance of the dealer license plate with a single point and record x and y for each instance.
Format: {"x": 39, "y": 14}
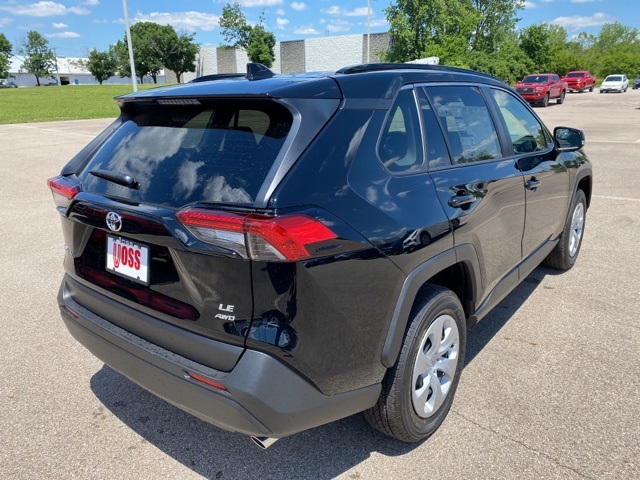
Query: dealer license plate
{"x": 127, "y": 258}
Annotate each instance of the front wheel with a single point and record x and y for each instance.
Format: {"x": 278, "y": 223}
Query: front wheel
{"x": 545, "y": 100}
{"x": 565, "y": 253}
{"x": 417, "y": 392}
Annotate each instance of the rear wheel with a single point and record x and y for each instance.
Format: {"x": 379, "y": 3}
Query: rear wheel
{"x": 417, "y": 392}
{"x": 560, "y": 100}
{"x": 564, "y": 255}
{"x": 591, "y": 88}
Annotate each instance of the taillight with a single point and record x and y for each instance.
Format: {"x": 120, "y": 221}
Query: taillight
{"x": 63, "y": 190}
{"x": 285, "y": 238}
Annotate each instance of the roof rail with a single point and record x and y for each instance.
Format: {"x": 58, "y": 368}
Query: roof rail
{"x": 377, "y": 67}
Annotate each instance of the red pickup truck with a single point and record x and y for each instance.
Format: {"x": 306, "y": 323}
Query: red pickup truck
{"x": 541, "y": 87}
{"x": 580, "y": 81}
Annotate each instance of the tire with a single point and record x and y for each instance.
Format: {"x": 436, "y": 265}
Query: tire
{"x": 565, "y": 254}
{"x": 545, "y": 101}
{"x": 560, "y": 100}
{"x": 591, "y": 88}
{"x": 409, "y": 409}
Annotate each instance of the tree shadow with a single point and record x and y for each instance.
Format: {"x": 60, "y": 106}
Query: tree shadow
{"x": 322, "y": 453}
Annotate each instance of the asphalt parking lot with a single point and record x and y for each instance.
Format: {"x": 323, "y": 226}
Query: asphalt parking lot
{"x": 550, "y": 390}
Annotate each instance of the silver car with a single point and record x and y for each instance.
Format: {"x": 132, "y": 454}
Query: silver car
{"x": 615, "y": 83}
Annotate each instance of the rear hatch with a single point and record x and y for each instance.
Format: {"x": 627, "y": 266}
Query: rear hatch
{"x": 141, "y": 213}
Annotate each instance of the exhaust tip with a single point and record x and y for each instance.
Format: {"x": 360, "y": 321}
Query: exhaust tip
{"x": 264, "y": 442}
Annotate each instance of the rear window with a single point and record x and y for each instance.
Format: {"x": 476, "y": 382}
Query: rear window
{"x": 179, "y": 154}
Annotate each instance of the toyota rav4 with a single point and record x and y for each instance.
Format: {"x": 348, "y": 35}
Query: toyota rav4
{"x": 274, "y": 252}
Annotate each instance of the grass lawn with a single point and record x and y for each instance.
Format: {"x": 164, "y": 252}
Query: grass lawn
{"x": 69, "y": 102}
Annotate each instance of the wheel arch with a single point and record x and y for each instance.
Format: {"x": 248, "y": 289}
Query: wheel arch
{"x": 456, "y": 269}
{"x": 584, "y": 183}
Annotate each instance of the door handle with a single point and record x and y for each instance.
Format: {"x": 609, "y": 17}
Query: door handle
{"x": 532, "y": 184}
{"x": 459, "y": 201}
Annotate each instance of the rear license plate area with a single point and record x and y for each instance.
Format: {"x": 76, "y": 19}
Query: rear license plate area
{"x": 128, "y": 259}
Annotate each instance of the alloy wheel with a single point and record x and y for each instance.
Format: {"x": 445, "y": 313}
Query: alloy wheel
{"x": 435, "y": 366}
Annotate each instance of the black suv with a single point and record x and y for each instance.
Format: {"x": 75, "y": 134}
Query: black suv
{"x": 274, "y": 252}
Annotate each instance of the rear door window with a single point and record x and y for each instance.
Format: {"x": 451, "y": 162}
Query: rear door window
{"x": 217, "y": 151}
{"x": 467, "y": 123}
{"x": 437, "y": 153}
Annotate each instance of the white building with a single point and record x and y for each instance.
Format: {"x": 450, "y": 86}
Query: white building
{"x": 70, "y": 72}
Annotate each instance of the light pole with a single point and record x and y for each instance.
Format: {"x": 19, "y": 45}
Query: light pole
{"x": 126, "y": 24}
{"x": 368, "y": 31}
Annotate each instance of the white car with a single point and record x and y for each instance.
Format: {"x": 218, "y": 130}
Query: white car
{"x": 615, "y": 83}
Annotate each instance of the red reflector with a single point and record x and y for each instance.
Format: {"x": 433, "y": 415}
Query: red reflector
{"x": 71, "y": 312}
{"x": 207, "y": 381}
{"x": 63, "y": 186}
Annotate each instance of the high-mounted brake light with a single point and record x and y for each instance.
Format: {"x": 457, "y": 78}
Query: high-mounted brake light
{"x": 63, "y": 190}
{"x": 283, "y": 238}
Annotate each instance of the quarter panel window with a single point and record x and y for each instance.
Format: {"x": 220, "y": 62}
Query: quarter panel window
{"x": 400, "y": 147}
{"x": 467, "y": 123}
{"x": 527, "y": 134}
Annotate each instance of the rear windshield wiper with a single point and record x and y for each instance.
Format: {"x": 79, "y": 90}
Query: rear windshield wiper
{"x": 116, "y": 177}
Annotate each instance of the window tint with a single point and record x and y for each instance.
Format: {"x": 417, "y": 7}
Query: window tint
{"x": 437, "y": 153}
{"x": 400, "y": 147}
{"x": 467, "y": 123}
{"x": 179, "y": 154}
{"x": 527, "y": 135}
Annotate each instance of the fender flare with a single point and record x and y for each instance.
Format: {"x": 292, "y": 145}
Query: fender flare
{"x": 465, "y": 254}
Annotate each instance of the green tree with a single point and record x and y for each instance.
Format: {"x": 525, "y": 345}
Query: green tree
{"x": 5, "y": 55}
{"x": 616, "y": 50}
{"x": 425, "y": 28}
{"x": 534, "y": 42}
{"x": 102, "y": 65}
{"x": 175, "y": 52}
{"x": 257, "y": 41}
{"x": 261, "y": 46}
{"x": 234, "y": 27}
{"x": 146, "y": 61}
{"x": 496, "y": 20}
{"x": 508, "y": 62}
{"x": 39, "y": 59}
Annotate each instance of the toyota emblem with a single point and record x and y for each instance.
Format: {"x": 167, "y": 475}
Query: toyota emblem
{"x": 114, "y": 221}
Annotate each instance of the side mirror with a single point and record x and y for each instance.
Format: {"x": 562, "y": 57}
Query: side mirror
{"x": 568, "y": 139}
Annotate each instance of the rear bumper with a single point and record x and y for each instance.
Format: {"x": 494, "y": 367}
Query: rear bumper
{"x": 264, "y": 397}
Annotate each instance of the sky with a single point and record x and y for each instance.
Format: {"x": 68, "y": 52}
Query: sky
{"x": 73, "y": 27}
